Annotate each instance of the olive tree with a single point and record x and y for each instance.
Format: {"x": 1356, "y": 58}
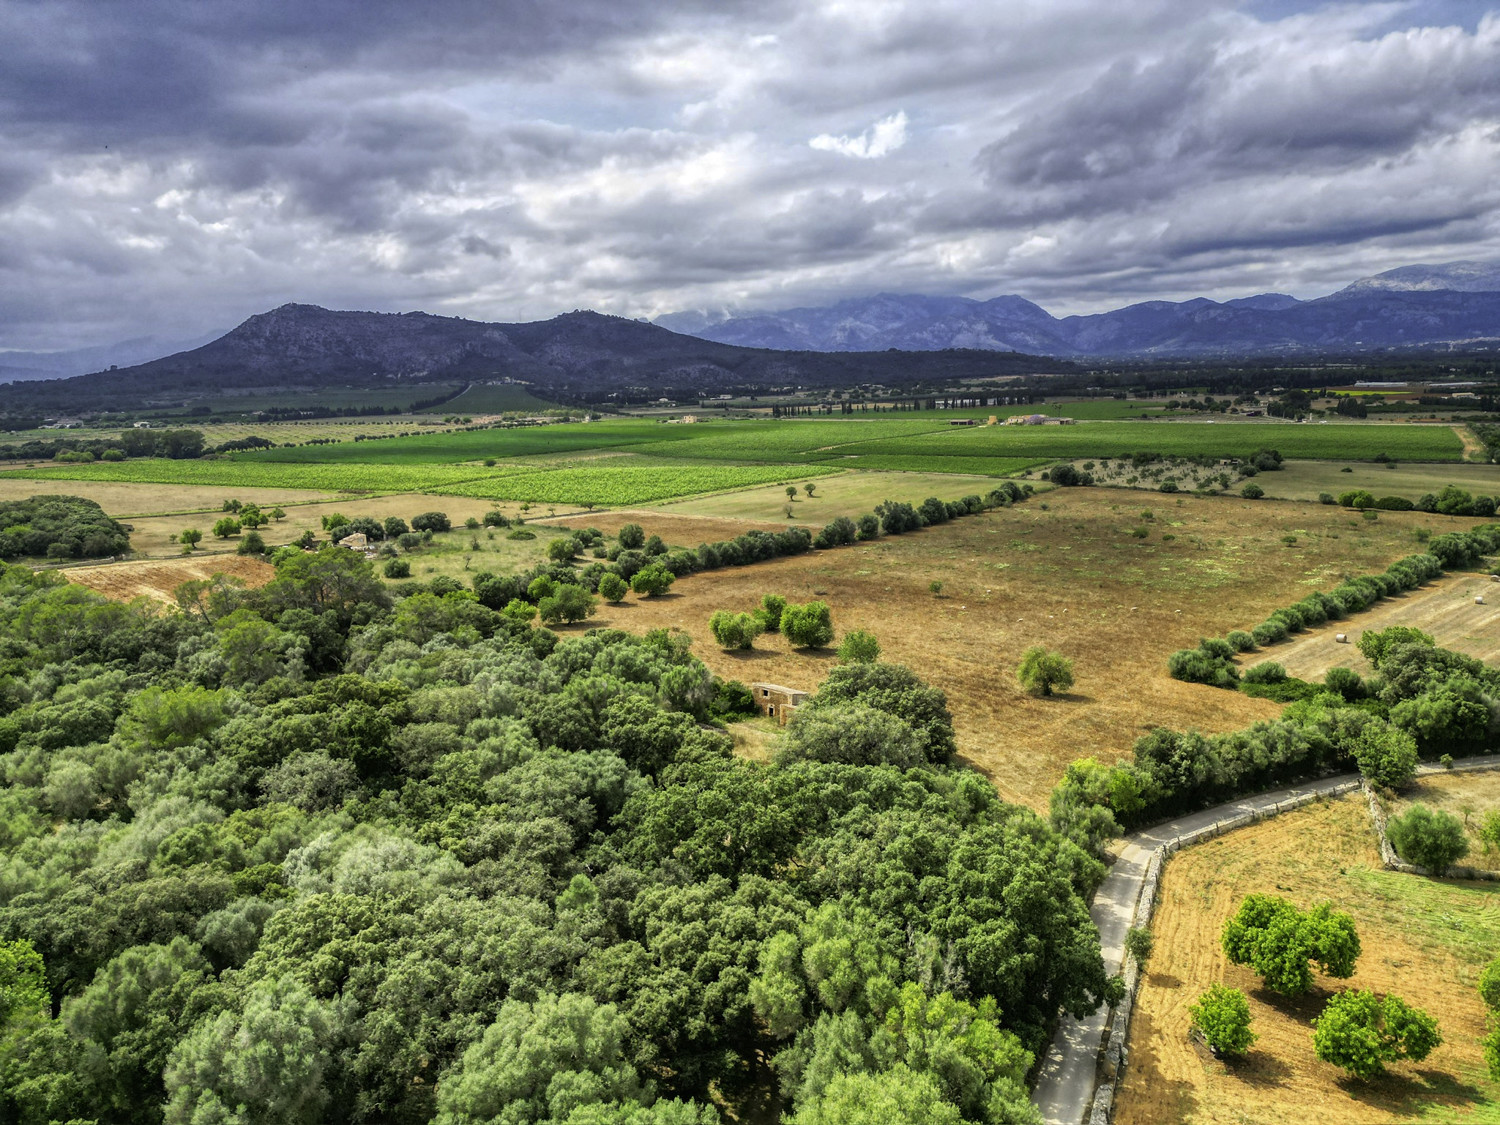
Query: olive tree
{"x": 1222, "y": 1017}
{"x": 1362, "y": 1032}
{"x": 1041, "y": 670}
{"x": 1430, "y": 838}
{"x": 735, "y": 630}
{"x": 808, "y": 626}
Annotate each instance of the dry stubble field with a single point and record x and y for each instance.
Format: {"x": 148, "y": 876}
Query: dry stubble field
{"x": 1424, "y": 939}
{"x": 157, "y": 579}
{"x": 1071, "y": 576}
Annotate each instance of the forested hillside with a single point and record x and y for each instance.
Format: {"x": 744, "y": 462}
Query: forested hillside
{"x": 302, "y": 855}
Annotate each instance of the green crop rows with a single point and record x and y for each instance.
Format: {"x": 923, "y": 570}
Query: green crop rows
{"x": 613, "y": 487}
{"x": 327, "y": 478}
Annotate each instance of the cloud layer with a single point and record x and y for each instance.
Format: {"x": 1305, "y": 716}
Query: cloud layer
{"x": 172, "y": 166}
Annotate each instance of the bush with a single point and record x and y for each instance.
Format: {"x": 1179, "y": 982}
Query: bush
{"x": 807, "y": 626}
{"x": 1240, "y": 641}
{"x": 1386, "y": 755}
{"x": 431, "y": 521}
{"x": 570, "y": 603}
{"x": 859, "y": 647}
{"x": 496, "y": 518}
{"x": 1252, "y": 491}
{"x": 1429, "y": 838}
{"x": 1222, "y": 1016}
{"x": 1138, "y": 944}
{"x": 612, "y": 587}
{"x": 252, "y": 544}
{"x": 771, "y": 608}
{"x": 1194, "y": 666}
{"x": 1041, "y": 670}
{"x": 734, "y": 630}
{"x": 397, "y": 568}
{"x": 840, "y": 533}
{"x": 855, "y": 734}
{"x": 1361, "y": 1032}
{"x": 632, "y": 537}
{"x": 1268, "y": 633}
{"x": 226, "y": 527}
{"x": 1326, "y": 498}
{"x": 563, "y": 549}
{"x": 1266, "y": 672}
{"x": 1346, "y": 682}
{"x": 867, "y": 526}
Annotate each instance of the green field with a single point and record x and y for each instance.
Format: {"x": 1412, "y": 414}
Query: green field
{"x": 485, "y": 398}
{"x": 238, "y": 474}
{"x": 612, "y": 486}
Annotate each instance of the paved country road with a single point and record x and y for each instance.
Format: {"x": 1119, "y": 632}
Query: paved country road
{"x": 1065, "y": 1084}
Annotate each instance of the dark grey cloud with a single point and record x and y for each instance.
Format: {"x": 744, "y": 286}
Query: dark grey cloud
{"x": 171, "y": 166}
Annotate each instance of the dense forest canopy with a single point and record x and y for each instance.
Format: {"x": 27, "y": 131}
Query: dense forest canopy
{"x": 59, "y": 527}
{"x": 302, "y": 854}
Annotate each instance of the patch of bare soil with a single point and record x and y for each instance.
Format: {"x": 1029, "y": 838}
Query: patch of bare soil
{"x": 157, "y": 579}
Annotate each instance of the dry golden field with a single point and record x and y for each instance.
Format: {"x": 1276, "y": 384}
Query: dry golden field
{"x": 1468, "y": 797}
{"x": 1423, "y": 939}
{"x": 1070, "y": 575}
{"x": 157, "y": 579}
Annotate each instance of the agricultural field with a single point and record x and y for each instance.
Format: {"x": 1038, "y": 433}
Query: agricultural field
{"x": 1064, "y": 570}
{"x": 846, "y": 494}
{"x": 126, "y": 501}
{"x": 1466, "y": 796}
{"x": 1445, "y": 609}
{"x": 609, "y": 485}
{"x": 156, "y": 580}
{"x": 1424, "y": 939}
{"x": 267, "y": 474}
{"x": 498, "y": 398}
{"x": 1304, "y": 480}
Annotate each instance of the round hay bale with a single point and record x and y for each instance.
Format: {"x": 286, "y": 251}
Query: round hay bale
{"x": 1341, "y": 638}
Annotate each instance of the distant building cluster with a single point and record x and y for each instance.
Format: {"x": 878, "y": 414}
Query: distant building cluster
{"x": 1037, "y": 420}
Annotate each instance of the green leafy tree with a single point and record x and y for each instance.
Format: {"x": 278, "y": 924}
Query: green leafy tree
{"x": 23, "y": 983}
{"x": 190, "y": 538}
{"x": 226, "y": 527}
{"x": 1139, "y": 942}
{"x": 1429, "y": 838}
{"x": 1222, "y": 1016}
{"x": 1041, "y": 670}
{"x": 772, "y": 606}
{"x": 266, "y": 1063}
{"x": 896, "y": 1095}
{"x": 278, "y": 514}
{"x": 571, "y": 603}
{"x": 431, "y": 521}
{"x": 612, "y": 587}
{"x": 1281, "y": 943}
{"x": 632, "y": 537}
{"x": 807, "y": 626}
{"x": 1386, "y": 755}
{"x": 855, "y": 734}
{"x": 653, "y": 580}
{"x": 734, "y": 630}
{"x": 859, "y": 647}
{"x": 1361, "y": 1033}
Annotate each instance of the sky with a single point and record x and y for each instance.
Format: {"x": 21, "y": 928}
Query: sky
{"x": 170, "y": 167}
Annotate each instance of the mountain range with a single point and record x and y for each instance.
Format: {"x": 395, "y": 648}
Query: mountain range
{"x": 1410, "y": 307}
{"x": 579, "y": 355}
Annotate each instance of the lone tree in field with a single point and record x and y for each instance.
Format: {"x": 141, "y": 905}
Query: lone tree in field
{"x": 190, "y": 538}
{"x": 1362, "y": 1032}
{"x": 1222, "y": 1016}
{"x": 791, "y": 492}
{"x": 807, "y": 626}
{"x": 226, "y": 527}
{"x": 1041, "y": 670}
{"x": 1281, "y": 943}
{"x": 612, "y": 587}
{"x": 809, "y": 487}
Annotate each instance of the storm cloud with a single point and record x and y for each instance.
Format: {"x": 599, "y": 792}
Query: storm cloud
{"x": 172, "y": 166}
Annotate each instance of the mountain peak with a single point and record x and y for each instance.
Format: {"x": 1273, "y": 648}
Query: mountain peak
{"x": 1458, "y": 277}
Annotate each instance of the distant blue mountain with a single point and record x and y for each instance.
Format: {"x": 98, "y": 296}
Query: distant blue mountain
{"x": 1413, "y": 306}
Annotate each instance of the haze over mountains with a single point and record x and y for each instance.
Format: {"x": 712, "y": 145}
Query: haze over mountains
{"x": 1413, "y": 306}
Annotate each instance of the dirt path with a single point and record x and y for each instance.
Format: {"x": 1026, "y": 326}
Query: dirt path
{"x": 1445, "y": 609}
{"x": 1472, "y": 444}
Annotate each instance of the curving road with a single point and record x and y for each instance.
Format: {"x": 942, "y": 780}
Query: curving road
{"x": 1065, "y": 1084}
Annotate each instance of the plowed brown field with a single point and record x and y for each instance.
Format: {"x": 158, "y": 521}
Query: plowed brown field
{"x": 1423, "y": 939}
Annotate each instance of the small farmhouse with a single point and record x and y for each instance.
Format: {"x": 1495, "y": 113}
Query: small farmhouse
{"x": 776, "y": 701}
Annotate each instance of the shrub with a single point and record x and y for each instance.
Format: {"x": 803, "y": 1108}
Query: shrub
{"x": 521, "y": 533}
{"x": 632, "y": 537}
{"x": 563, "y": 549}
{"x": 1240, "y": 641}
{"x": 1361, "y": 1032}
{"x": 1386, "y": 755}
{"x": 859, "y": 647}
{"x": 226, "y": 527}
{"x": 1222, "y": 1016}
{"x": 1375, "y": 644}
{"x": 431, "y": 521}
{"x": 1268, "y": 633}
{"x": 570, "y": 603}
{"x": 1138, "y": 944}
{"x": 867, "y": 526}
{"x": 1194, "y": 666}
{"x": 612, "y": 587}
{"x": 771, "y": 608}
{"x": 840, "y": 533}
{"x": 807, "y": 626}
{"x": 1429, "y": 838}
{"x": 1326, "y": 498}
{"x": 1218, "y": 649}
{"x": 1266, "y": 672}
{"x": 1346, "y": 682}
{"x": 1489, "y": 985}
{"x": 397, "y": 568}
{"x": 1252, "y": 491}
{"x": 252, "y": 544}
{"x": 496, "y": 518}
{"x": 734, "y": 630}
{"x": 1041, "y": 670}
